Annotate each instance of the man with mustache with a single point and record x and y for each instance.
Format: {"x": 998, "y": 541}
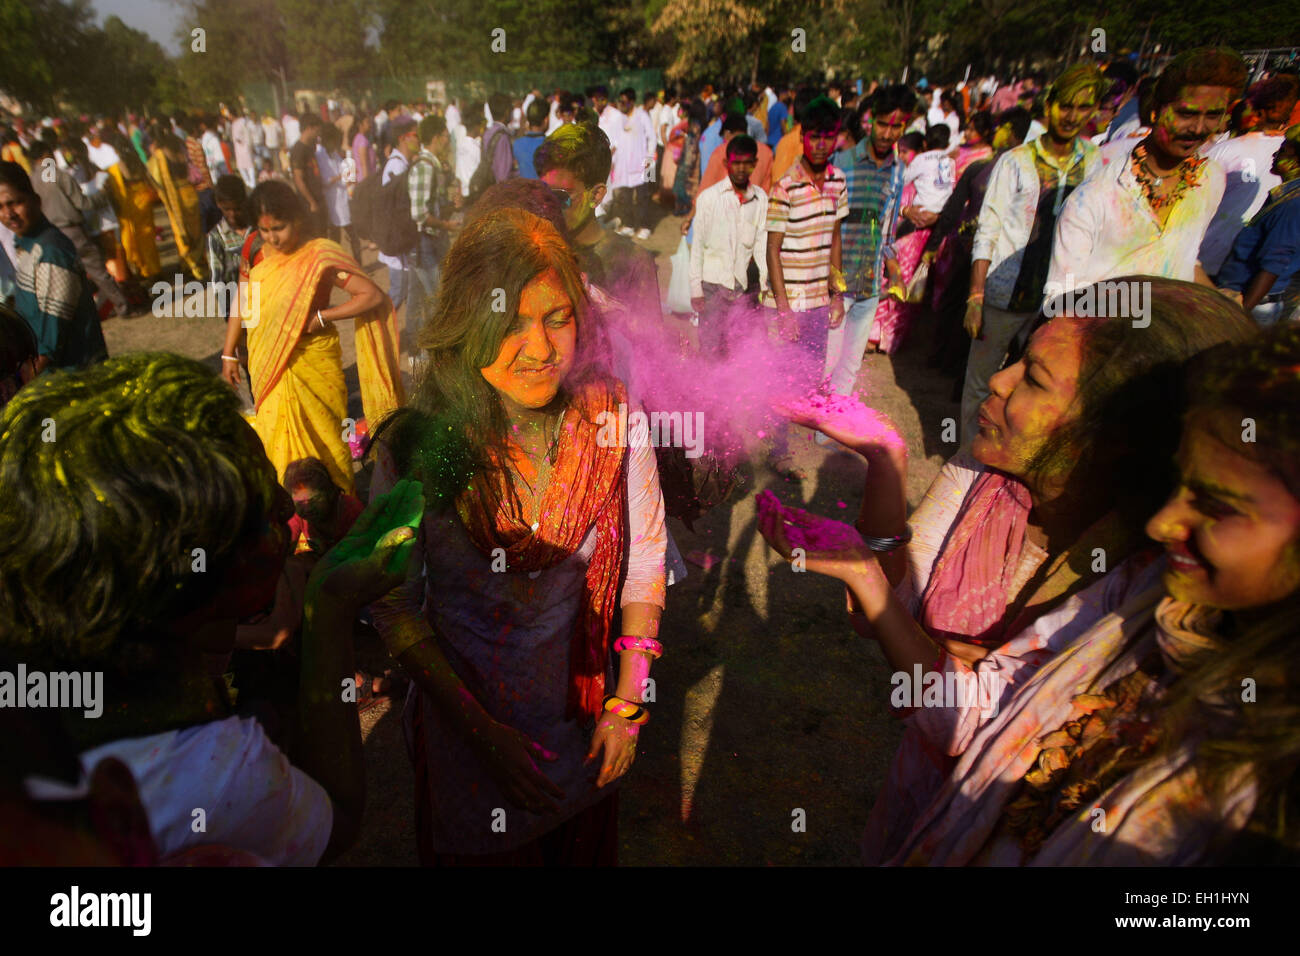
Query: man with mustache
{"x": 1146, "y": 211}
{"x": 1027, "y": 190}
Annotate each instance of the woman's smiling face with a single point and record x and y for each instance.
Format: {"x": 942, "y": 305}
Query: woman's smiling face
{"x": 537, "y": 353}
{"x": 1231, "y": 527}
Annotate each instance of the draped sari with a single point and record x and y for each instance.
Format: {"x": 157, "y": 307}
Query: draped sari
{"x": 134, "y": 199}
{"x": 182, "y": 205}
{"x": 297, "y": 379}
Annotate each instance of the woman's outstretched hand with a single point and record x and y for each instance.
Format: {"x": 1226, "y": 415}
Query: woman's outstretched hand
{"x": 821, "y": 545}
{"x": 510, "y": 757}
{"x": 849, "y": 422}
{"x": 373, "y": 557}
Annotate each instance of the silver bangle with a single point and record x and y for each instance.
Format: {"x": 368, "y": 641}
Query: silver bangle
{"x": 884, "y": 545}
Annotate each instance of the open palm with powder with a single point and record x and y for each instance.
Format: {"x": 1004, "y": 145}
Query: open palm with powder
{"x": 823, "y": 545}
{"x": 849, "y": 422}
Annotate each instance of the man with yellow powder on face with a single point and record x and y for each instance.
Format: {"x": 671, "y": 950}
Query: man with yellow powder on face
{"x": 1147, "y": 210}
{"x": 1013, "y": 240}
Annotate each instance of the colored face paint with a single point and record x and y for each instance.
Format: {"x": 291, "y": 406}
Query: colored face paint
{"x": 1184, "y": 125}
{"x": 887, "y": 130}
{"x": 579, "y": 208}
{"x": 1231, "y": 529}
{"x": 818, "y": 146}
{"x": 538, "y": 352}
{"x": 1031, "y": 400}
{"x": 1066, "y": 120}
{"x": 282, "y": 235}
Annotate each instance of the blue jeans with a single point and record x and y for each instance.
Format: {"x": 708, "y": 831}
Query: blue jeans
{"x": 846, "y": 345}
{"x": 399, "y": 284}
{"x": 807, "y": 363}
{"x": 1267, "y": 313}
{"x": 425, "y": 272}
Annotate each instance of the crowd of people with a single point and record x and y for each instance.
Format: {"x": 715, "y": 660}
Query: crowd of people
{"x": 1112, "y": 264}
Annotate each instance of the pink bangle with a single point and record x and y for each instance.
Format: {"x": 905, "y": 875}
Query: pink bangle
{"x": 629, "y": 642}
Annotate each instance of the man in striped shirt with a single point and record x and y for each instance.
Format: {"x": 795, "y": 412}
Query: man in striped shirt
{"x": 804, "y": 212}
{"x": 803, "y": 249}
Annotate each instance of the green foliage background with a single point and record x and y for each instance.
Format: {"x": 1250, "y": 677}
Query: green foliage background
{"x": 53, "y": 55}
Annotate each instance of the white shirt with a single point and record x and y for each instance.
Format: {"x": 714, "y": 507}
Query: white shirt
{"x": 336, "y": 194}
{"x": 252, "y": 797}
{"x": 468, "y": 152}
{"x": 636, "y": 151}
{"x": 728, "y": 233}
{"x": 395, "y": 166}
{"x": 274, "y": 132}
{"x": 292, "y": 130}
{"x": 1246, "y": 161}
{"x": 1007, "y": 217}
{"x": 934, "y": 175}
{"x": 104, "y": 156}
{"x": 1107, "y": 229}
{"x": 214, "y": 154}
{"x": 1036, "y": 129}
{"x": 452, "y": 115}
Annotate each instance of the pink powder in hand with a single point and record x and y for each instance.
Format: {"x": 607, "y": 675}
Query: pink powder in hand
{"x": 809, "y": 531}
{"x": 847, "y": 416}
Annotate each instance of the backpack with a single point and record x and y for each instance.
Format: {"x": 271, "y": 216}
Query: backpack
{"x": 484, "y": 176}
{"x": 382, "y": 213}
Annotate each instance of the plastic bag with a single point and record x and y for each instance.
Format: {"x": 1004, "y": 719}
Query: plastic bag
{"x": 679, "y": 285}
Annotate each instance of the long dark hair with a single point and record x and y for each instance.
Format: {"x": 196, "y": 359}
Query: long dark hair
{"x": 1259, "y": 380}
{"x": 1130, "y": 395}
{"x": 456, "y": 423}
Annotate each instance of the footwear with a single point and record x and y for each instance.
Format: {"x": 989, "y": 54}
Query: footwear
{"x": 643, "y": 234}
{"x": 613, "y": 222}
{"x": 626, "y": 231}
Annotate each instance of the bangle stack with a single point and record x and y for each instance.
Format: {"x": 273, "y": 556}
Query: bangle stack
{"x": 883, "y": 545}
{"x": 634, "y": 713}
{"x": 649, "y": 645}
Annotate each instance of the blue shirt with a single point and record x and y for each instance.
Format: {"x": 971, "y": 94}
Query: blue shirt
{"x": 776, "y": 117}
{"x": 525, "y": 146}
{"x": 874, "y": 192}
{"x": 1270, "y": 242}
{"x": 710, "y": 141}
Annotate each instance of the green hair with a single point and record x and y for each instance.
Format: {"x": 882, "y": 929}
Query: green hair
{"x": 1075, "y": 80}
{"x": 113, "y": 476}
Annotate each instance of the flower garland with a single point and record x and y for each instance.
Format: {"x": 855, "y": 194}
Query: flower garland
{"x": 1188, "y": 171}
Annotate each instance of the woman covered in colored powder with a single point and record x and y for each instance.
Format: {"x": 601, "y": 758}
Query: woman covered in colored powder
{"x": 1172, "y": 721}
{"x": 294, "y": 356}
{"x": 543, "y": 548}
{"x": 1027, "y": 521}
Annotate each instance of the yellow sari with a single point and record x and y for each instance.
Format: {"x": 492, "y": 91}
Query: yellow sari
{"x": 134, "y": 200}
{"x": 182, "y": 205}
{"x": 297, "y": 379}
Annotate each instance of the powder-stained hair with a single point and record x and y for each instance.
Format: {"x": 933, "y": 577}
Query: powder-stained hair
{"x": 1203, "y": 66}
{"x": 1077, "y": 79}
{"x": 578, "y": 148}
{"x": 456, "y": 424}
{"x": 151, "y": 459}
{"x": 1129, "y": 396}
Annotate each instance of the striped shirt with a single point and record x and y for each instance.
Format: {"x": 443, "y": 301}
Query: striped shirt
{"x": 55, "y": 300}
{"x": 808, "y": 216}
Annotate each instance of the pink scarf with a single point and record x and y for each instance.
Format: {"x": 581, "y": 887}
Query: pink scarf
{"x": 966, "y": 596}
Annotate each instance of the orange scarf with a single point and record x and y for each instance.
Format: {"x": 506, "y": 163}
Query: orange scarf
{"x": 287, "y": 287}
{"x": 588, "y": 486}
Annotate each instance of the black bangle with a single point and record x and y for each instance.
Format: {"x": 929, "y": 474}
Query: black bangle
{"x": 888, "y": 544}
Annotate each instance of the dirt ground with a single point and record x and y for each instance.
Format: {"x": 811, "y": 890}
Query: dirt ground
{"x": 767, "y": 701}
